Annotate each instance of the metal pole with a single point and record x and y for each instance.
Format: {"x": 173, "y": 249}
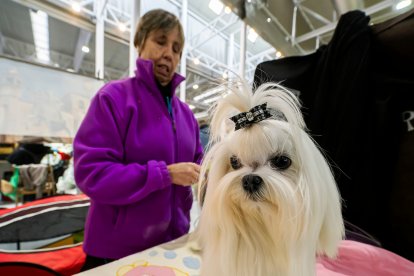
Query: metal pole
{"x": 183, "y": 66}
{"x": 242, "y": 50}
{"x": 230, "y": 52}
{"x": 133, "y": 54}
{"x": 295, "y": 12}
{"x": 99, "y": 43}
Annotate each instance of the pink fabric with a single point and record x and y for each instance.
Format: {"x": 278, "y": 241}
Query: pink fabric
{"x": 359, "y": 259}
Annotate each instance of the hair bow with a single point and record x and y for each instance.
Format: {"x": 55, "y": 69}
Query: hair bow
{"x": 254, "y": 115}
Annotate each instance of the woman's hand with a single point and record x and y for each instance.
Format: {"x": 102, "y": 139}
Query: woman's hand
{"x": 184, "y": 174}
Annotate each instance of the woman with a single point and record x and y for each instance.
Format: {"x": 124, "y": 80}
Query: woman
{"x": 137, "y": 151}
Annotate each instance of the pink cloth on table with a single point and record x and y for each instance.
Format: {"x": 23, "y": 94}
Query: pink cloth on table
{"x": 359, "y": 259}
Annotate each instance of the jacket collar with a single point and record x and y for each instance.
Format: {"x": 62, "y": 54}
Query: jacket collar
{"x": 145, "y": 72}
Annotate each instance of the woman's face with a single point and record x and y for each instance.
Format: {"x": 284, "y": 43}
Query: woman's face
{"x": 164, "y": 49}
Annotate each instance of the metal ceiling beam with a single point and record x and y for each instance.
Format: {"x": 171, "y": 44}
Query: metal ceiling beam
{"x": 281, "y": 28}
{"x": 304, "y": 12}
{"x": 111, "y": 15}
{"x": 24, "y": 50}
{"x": 330, "y": 27}
{"x": 261, "y": 55}
{"x": 210, "y": 26}
{"x": 315, "y": 15}
{"x": 206, "y": 61}
{"x": 113, "y": 20}
{"x": 195, "y": 16}
{"x": 217, "y": 31}
{"x": 60, "y": 13}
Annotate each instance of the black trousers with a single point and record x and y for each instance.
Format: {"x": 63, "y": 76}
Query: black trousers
{"x": 92, "y": 262}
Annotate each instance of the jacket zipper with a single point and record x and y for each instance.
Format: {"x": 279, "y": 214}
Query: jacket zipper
{"x": 170, "y": 111}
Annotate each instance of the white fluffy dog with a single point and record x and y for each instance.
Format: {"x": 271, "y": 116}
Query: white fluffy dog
{"x": 269, "y": 201}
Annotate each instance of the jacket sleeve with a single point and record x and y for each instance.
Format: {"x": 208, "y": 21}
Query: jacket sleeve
{"x": 98, "y": 159}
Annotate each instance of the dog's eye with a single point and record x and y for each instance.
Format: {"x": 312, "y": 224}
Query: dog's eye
{"x": 235, "y": 162}
{"x": 280, "y": 162}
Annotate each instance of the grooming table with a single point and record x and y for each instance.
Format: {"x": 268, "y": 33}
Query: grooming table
{"x": 182, "y": 258}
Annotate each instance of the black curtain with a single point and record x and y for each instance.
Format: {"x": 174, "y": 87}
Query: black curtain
{"x": 354, "y": 100}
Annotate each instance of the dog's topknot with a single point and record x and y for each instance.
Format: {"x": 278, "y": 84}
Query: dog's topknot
{"x": 240, "y": 98}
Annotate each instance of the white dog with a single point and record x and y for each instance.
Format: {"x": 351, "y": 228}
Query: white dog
{"x": 269, "y": 201}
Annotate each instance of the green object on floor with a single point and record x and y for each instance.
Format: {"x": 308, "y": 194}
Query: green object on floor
{"x": 14, "y": 181}
{"x": 77, "y": 237}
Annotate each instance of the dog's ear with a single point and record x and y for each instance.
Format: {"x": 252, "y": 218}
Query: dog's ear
{"x": 215, "y": 165}
{"x": 202, "y": 188}
{"x": 332, "y": 230}
{"x": 324, "y": 195}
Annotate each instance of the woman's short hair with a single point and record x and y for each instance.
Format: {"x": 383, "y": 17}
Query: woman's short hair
{"x": 155, "y": 20}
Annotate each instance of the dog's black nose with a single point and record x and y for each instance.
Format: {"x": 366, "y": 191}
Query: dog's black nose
{"x": 251, "y": 182}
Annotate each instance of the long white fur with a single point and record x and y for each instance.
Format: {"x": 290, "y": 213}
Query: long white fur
{"x": 300, "y": 214}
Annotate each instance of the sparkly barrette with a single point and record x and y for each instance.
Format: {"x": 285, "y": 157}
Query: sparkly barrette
{"x": 254, "y": 115}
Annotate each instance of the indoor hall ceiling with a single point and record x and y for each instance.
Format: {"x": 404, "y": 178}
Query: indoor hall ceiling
{"x": 67, "y": 29}
{"x": 315, "y": 19}
{"x": 17, "y": 33}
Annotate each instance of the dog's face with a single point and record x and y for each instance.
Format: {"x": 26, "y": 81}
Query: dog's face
{"x": 256, "y": 168}
{"x": 270, "y": 183}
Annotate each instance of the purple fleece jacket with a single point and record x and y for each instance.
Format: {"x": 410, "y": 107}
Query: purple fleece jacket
{"x": 121, "y": 153}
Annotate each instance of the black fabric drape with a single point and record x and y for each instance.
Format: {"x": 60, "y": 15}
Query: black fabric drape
{"x": 354, "y": 114}
{"x": 28, "y": 154}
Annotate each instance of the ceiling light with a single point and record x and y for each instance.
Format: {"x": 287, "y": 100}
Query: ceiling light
{"x": 85, "y": 49}
{"x": 76, "y": 6}
{"x": 252, "y": 36}
{"x": 268, "y": 20}
{"x": 195, "y": 86}
{"x": 40, "y": 27}
{"x": 191, "y": 106}
{"x": 278, "y": 54}
{"x": 216, "y": 6}
{"x": 196, "y": 61}
{"x": 121, "y": 27}
{"x": 227, "y": 10}
{"x": 402, "y": 4}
